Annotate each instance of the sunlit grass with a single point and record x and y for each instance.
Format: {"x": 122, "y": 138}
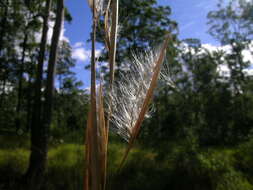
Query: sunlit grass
{"x": 224, "y": 168}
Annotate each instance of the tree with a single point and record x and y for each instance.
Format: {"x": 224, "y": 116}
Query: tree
{"x": 29, "y": 28}
{"x": 64, "y": 63}
{"x": 232, "y": 25}
{"x": 198, "y": 104}
{"x": 20, "y": 25}
{"x": 232, "y": 22}
{"x": 142, "y": 24}
{"x": 8, "y": 55}
{"x": 68, "y": 91}
{"x": 40, "y": 134}
{"x": 36, "y": 117}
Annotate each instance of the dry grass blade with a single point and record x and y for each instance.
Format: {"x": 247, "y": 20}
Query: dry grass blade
{"x": 95, "y": 154}
{"x": 97, "y": 131}
{"x": 111, "y": 31}
{"x": 98, "y": 7}
{"x": 147, "y": 100}
{"x": 102, "y": 136}
{"x": 90, "y": 2}
{"x": 107, "y": 26}
{"x": 111, "y": 44}
{"x": 113, "y": 40}
{"x": 87, "y": 153}
{"x": 93, "y": 147}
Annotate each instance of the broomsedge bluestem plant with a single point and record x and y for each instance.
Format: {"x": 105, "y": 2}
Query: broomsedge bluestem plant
{"x": 133, "y": 94}
{"x": 128, "y": 101}
{"x": 129, "y": 93}
{"x": 97, "y": 130}
{"x": 93, "y": 173}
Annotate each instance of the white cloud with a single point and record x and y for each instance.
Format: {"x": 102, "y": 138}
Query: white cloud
{"x": 80, "y": 53}
{"x": 223, "y": 69}
{"x": 78, "y": 44}
{"x": 211, "y": 48}
{"x": 50, "y": 32}
{"x": 62, "y": 36}
{"x": 247, "y": 53}
{"x": 87, "y": 89}
{"x": 247, "y": 56}
{"x": 248, "y": 72}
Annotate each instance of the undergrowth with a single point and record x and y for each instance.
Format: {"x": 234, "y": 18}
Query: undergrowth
{"x": 181, "y": 168}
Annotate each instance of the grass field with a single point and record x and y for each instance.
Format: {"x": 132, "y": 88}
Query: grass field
{"x": 181, "y": 168}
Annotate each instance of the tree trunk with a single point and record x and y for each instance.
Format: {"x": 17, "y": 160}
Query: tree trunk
{"x": 38, "y": 159}
{"x": 29, "y": 105}
{"x": 47, "y": 114}
{"x": 20, "y": 83}
{"x": 34, "y": 173}
{"x": 36, "y": 118}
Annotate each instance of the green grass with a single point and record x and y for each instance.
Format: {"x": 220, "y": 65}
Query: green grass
{"x": 179, "y": 169}
{"x": 65, "y": 166}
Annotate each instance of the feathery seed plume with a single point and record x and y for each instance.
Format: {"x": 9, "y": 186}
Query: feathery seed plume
{"x": 165, "y": 76}
{"x": 129, "y": 93}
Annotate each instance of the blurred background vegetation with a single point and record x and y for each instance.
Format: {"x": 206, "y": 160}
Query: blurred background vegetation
{"x": 200, "y": 133}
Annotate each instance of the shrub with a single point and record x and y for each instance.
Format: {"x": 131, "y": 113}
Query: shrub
{"x": 244, "y": 159}
{"x": 210, "y": 170}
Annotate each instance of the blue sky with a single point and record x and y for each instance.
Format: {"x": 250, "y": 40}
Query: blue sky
{"x": 189, "y": 14}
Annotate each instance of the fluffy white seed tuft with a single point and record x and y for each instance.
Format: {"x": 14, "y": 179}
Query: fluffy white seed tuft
{"x": 165, "y": 76}
{"x": 129, "y": 93}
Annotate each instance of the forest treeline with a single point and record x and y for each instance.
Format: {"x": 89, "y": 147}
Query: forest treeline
{"x": 199, "y": 133}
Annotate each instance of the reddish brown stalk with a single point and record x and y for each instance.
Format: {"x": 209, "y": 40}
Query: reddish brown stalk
{"x": 103, "y": 137}
{"x": 147, "y": 100}
{"x": 87, "y": 154}
{"x": 107, "y": 30}
{"x": 92, "y": 179}
{"x": 113, "y": 39}
{"x": 97, "y": 130}
{"x": 111, "y": 43}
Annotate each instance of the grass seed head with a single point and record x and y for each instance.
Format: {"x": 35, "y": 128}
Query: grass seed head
{"x": 129, "y": 93}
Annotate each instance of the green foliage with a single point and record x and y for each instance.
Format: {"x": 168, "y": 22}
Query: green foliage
{"x": 183, "y": 166}
{"x": 201, "y": 102}
{"x": 244, "y": 159}
{"x": 65, "y": 167}
{"x": 142, "y": 24}
{"x": 14, "y": 160}
{"x": 193, "y": 123}
{"x": 213, "y": 169}
{"x": 231, "y": 21}
{"x": 21, "y": 22}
